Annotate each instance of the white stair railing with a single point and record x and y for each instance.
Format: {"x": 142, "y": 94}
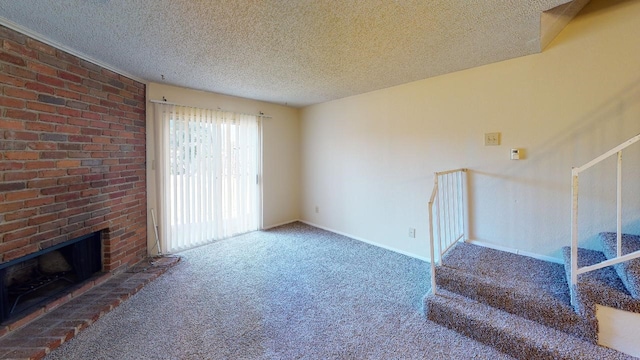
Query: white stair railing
{"x": 575, "y": 172}
{"x": 447, "y": 215}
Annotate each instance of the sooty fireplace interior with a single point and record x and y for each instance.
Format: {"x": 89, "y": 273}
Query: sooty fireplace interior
{"x": 36, "y": 279}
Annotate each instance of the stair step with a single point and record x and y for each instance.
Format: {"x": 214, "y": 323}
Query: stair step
{"x": 602, "y": 286}
{"x": 523, "y": 302}
{"x": 509, "y": 333}
{"x": 533, "y": 289}
{"x": 629, "y": 271}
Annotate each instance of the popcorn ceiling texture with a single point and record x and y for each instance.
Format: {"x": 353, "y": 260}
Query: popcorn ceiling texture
{"x": 294, "y": 52}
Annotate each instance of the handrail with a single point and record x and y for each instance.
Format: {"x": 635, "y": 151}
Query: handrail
{"x": 575, "y": 172}
{"x": 448, "y": 225}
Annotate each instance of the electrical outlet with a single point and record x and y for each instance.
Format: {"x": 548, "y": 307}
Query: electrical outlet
{"x": 412, "y": 232}
{"x": 492, "y": 139}
{"x": 317, "y": 209}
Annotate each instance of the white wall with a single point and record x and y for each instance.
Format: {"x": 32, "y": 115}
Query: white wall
{"x": 368, "y": 160}
{"x": 281, "y": 144}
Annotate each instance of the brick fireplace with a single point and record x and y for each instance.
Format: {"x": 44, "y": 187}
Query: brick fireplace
{"x": 72, "y": 154}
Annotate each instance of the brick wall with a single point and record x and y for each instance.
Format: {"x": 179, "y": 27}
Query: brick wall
{"x": 72, "y": 153}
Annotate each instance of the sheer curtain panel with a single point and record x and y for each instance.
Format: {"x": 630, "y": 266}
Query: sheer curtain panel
{"x": 208, "y": 166}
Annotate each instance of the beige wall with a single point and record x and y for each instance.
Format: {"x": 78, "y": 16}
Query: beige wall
{"x": 281, "y": 143}
{"x": 368, "y": 160}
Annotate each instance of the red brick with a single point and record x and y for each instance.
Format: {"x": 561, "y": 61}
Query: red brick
{"x": 40, "y": 127}
{"x": 99, "y": 109}
{"x": 20, "y": 93}
{"x": 37, "y": 45}
{"x": 41, "y": 107}
{"x": 42, "y": 69}
{"x": 20, "y": 234}
{"x": 21, "y": 135}
{"x": 37, "y": 220}
{"x": 101, "y": 140}
{"x": 13, "y": 59}
{"x": 78, "y": 88}
{"x": 53, "y": 155}
{"x": 80, "y": 138}
{"x": 38, "y": 202}
{"x": 22, "y": 195}
{"x": 11, "y": 80}
{"x": 39, "y": 88}
{"x": 6, "y": 206}
{"x": 11, "y": 124}
{"x": 25, "y": 320}
{"x": 10, "y": 226}
{"x": 78, "y": 171}
{"x": 11, "y": 102}
{"x": 19, "y": 215}
{"x": 21, "y": 115}
{"x": 78, "y": 122}
{"x": 21, "y": 175}
{"x": 42, "y": 145}
{"x": 68, "y": 94}
{"x": 68, "y": 129}
{"x": 53, "y": 225}
{"x": 110, "y": 102}
{"x": 94, "y": 96}
{"x": 68, "y": 163}
{"x": 52, "y": 173}
{"x": 21, "y": 155}
{"x": 68, "y": 76}
{"x": 92, "y": 147}
{"x": 8, "y": 245}
{"x": 78, "y": 187}
{"x": 62, "y": 55}
{"x": 94, "y": 116}
{"x": 99, "y": 154}
{"x": 53, "y": 81}
{"x": 78, "y": 70}
{"x": 91, "y": 131}
{"x": 53, "y": 190}
{"x": 20, "y": 49}
{"x": 57, "y": 303}
{"x": 40, "y": 164}
{"x": 19, "y": 71}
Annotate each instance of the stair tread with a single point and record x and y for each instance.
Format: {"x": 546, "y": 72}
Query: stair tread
{"x": 509, "y": 333}
{"x": 629, "y": 271}
{"x": 602, "y": 286}
{"x": 525, "y": 301}
{"x": 518, "y": 271}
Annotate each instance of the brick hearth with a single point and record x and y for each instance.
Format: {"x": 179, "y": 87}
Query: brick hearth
{"x": 67, "y": 317}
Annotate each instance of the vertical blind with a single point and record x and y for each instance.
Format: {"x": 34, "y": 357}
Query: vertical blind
{"x": 208, "y": 167}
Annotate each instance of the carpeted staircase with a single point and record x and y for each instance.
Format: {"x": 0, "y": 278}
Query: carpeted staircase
{"x": 522, "y": 306}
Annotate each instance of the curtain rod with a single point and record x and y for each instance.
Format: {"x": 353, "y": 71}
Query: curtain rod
{"x": 218, "y": 109}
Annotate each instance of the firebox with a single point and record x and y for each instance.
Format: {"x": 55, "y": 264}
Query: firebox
{"x": 36, "y": 279}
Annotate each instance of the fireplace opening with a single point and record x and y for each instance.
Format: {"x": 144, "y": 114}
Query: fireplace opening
{"x": 34, "y": 280}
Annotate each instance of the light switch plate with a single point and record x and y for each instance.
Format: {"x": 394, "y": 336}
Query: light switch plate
{"x": 492, "y": 139}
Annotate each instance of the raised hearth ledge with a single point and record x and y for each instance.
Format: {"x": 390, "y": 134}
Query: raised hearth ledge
{"x": 35, "y": 335}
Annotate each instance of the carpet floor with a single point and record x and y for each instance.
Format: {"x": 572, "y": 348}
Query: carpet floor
{"x": 293, "y": 292}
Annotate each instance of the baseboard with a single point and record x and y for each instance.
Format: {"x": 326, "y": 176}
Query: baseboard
{"x": 516, "y": 251}
{"x": 366, "y": 241}
{"x": 280, "y": 224}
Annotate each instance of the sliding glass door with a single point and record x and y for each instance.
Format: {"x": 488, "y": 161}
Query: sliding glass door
{"x": 210, "y": 175}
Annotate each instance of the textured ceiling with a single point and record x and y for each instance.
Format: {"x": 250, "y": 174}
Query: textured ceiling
{"x": 297, "y": 52}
